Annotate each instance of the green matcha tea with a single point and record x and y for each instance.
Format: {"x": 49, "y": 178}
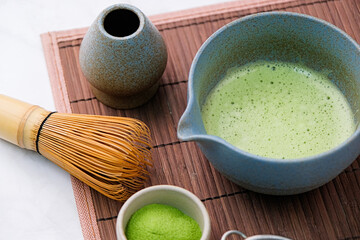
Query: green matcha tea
{"x": 161, "y": 222}
{"x": 278, "y": 110}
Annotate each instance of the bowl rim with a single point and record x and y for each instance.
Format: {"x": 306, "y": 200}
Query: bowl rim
{"x": 192, "y": 100}
{"x": 170, "y": 188}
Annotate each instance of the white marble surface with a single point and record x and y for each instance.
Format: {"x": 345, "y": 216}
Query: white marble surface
{"x": 36, "y": 198}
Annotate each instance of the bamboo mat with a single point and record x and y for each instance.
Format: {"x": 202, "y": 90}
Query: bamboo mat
{"x": 329, "y": 212}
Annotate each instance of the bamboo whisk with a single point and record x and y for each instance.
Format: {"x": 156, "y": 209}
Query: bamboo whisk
{"x": 110, "y": 154}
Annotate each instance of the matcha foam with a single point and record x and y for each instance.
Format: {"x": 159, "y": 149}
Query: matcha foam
{"x": 278, "y": 110}
{"x": 161, "y": 222}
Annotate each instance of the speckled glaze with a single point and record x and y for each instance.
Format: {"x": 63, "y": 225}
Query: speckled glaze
{"x": 274, "y": 36}
{"x": 124, "y": 71}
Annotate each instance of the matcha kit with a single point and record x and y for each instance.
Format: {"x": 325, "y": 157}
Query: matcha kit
{"x": 273, "y": 104}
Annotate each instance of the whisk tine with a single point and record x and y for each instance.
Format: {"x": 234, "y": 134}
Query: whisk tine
{"x": 112, "y": 153}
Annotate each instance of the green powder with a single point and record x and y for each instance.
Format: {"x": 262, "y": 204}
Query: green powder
{"x": 278, "y": 110}
{"x": 161, "y": 222}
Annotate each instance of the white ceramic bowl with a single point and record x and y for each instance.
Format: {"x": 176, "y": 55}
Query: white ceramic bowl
{"x": 174, "y": 196}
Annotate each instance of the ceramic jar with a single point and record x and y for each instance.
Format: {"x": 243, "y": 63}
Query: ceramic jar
{"x": 123, "y": 56}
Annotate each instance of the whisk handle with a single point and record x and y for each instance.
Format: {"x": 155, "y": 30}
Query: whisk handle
{"x": 20, "y": 121}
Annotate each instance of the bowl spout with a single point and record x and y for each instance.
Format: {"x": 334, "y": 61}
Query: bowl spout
{"x": 190, "y": 126}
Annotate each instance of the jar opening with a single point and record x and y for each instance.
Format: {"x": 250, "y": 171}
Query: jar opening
{"x": 121, "y": 23}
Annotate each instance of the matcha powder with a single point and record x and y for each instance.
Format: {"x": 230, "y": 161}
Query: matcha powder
{"x": 161, "y": 222}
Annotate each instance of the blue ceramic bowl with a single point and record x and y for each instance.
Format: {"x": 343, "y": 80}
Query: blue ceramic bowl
{"x": 282, "y": 36}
